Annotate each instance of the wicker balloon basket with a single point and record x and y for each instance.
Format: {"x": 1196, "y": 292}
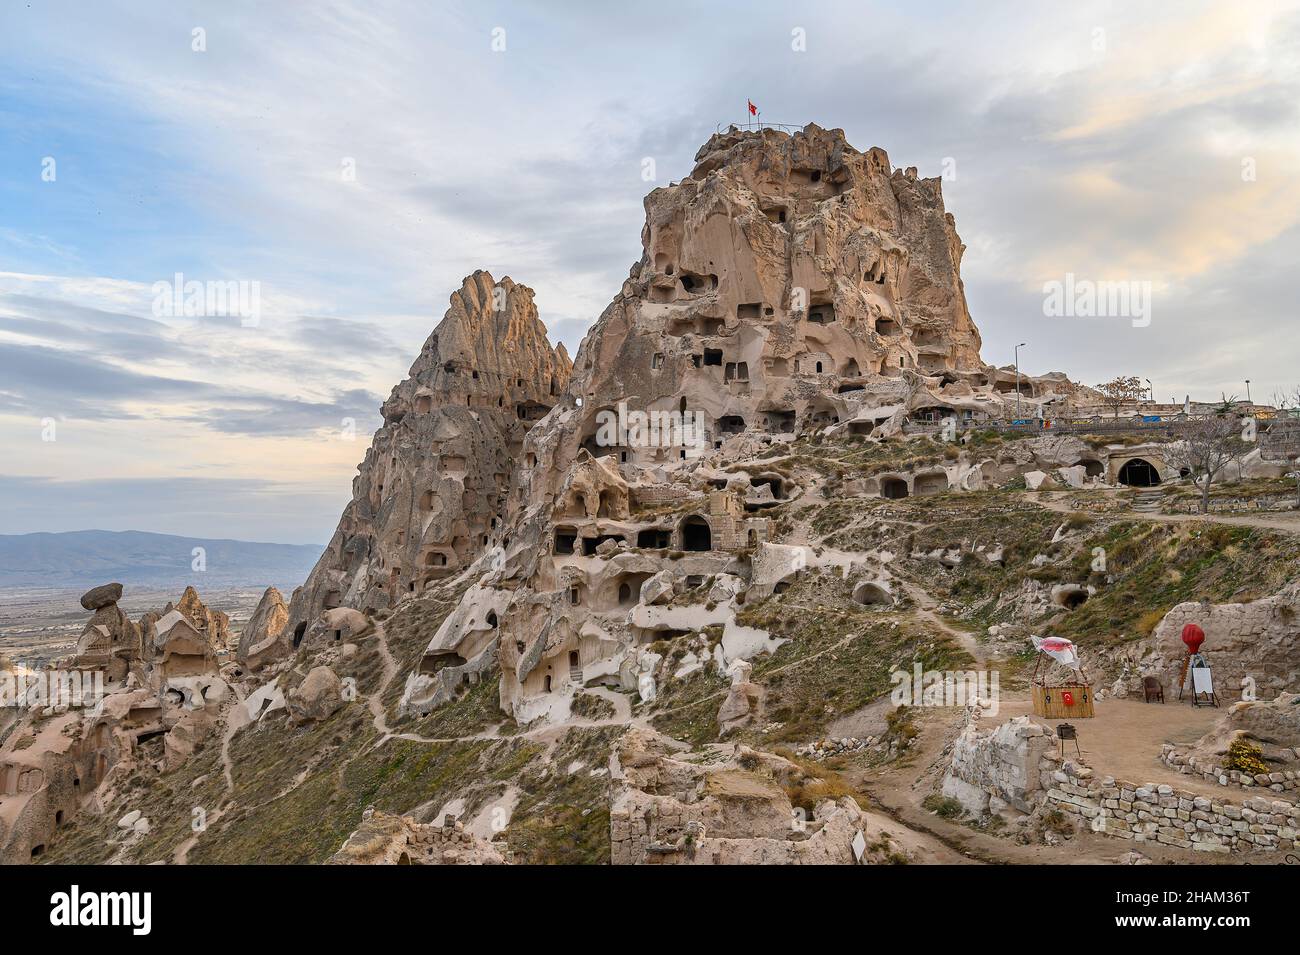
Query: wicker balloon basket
{"x": 1071, "y": 699}
{"x": 1068, "y": 701}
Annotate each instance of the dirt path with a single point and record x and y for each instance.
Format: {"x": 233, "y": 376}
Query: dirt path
{"x": 234, "y": 723}
{"x": 925, "y": 605}
{"x": 375, "y": 701}
{"x": 1276, "y": 522}
{"x": 1124, "y": 738}
{"x": 181, "y": 854}
{"x": 233, "y": 726}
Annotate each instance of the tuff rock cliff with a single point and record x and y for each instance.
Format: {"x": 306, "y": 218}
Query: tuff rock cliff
{"x": 432, "y": 488}
{"x": 790, "y": 284}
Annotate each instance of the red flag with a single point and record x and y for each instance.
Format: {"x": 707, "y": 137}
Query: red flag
{"x": 753, "y": 110}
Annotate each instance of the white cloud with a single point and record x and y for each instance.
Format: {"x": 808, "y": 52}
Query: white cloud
{"x": 1122, "y": 161}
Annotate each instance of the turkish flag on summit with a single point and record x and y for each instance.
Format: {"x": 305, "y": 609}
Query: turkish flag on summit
{"x": 753, "y": 110}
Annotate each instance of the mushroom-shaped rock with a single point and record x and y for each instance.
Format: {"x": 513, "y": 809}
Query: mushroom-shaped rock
{"x": 104, "y": 595}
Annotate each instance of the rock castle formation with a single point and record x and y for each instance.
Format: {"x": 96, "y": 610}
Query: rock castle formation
{"x": 790, "y": 284}
{"x": 591, "y": 534}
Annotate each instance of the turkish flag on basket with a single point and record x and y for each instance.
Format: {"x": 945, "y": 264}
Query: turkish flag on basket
{"x": 753, "y": 110}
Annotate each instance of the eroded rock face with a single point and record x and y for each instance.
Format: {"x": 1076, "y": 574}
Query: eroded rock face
{"x": 1250, "y": 645}
{"x": 669, "y": 811}
{"x": 103, "y": 596}
{"x": 109, "y": 641}
{"x": 431, "y": 492}
{"x": 789, "y": 284}
{"x": 267, "y": 637}
{"x": 786, "y": 284}
{"x": 1272, "y": 725}
{"x": 385, "y": 839}
{"x": 213, "y": 624}
{"x": 997, "y": 767}
{"x": 159, "y": 679}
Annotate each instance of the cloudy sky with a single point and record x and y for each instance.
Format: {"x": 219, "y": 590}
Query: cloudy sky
{"x": 356, "y": 159}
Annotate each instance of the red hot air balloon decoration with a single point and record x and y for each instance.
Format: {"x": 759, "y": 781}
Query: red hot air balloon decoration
{"x": 1193, "y": 636}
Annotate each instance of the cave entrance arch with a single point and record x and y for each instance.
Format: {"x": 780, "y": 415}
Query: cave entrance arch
{"x": 1139, "y": 472}
{"x": 893, "y": 488}
{"x": 696, "y": 534}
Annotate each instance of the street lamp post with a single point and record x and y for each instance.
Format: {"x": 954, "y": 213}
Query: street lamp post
{"x": 1248, "y": 401}
{"x": 1151, "y": 391}
{"x": 1017, "y": 351}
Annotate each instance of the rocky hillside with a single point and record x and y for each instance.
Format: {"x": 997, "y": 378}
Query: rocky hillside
{"x": 657, "y": 608}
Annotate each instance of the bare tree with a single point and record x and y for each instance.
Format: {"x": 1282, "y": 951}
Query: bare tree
{"x": 1122, "y": 391}
{"x": 1287, "y": 398}
{"x": 1207, "y": 445}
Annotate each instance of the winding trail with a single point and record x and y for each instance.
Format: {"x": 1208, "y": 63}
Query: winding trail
{"x": 925, "y": 605}
{"x": 1277, "y": 521}
{"x": 375, "y": 700}
{"x": 180, "y": 855}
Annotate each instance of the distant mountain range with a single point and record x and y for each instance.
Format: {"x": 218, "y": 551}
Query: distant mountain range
{"x": 88, "y": 558}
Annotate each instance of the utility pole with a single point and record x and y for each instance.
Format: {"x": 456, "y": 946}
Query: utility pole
{"x": 1018, "y": 347}
{"x": 1151, "y": 391}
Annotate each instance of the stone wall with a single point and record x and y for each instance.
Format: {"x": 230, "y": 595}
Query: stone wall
{"x": 1237, "y": 505}
{"x": 385, "y": 839}
{"x": 1186, "y": 763}
{"x": 1018, "y": 764}
{"x": 1169, "y": 816}
{"x": 649, "y": 495}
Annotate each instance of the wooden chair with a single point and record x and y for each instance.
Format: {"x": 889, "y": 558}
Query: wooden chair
{"x": 1152, "y": 690}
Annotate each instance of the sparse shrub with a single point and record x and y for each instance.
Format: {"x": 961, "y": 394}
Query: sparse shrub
{"x": 1149, "y": 621}
{"x": 1245, "y": 757}
{"x": 900, "y": 728}
{"x": 815, "y": 783}
{"x": 945, "y": 807}
{"x": 1056, "y": 821}
{"x": 589, "y": 706}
